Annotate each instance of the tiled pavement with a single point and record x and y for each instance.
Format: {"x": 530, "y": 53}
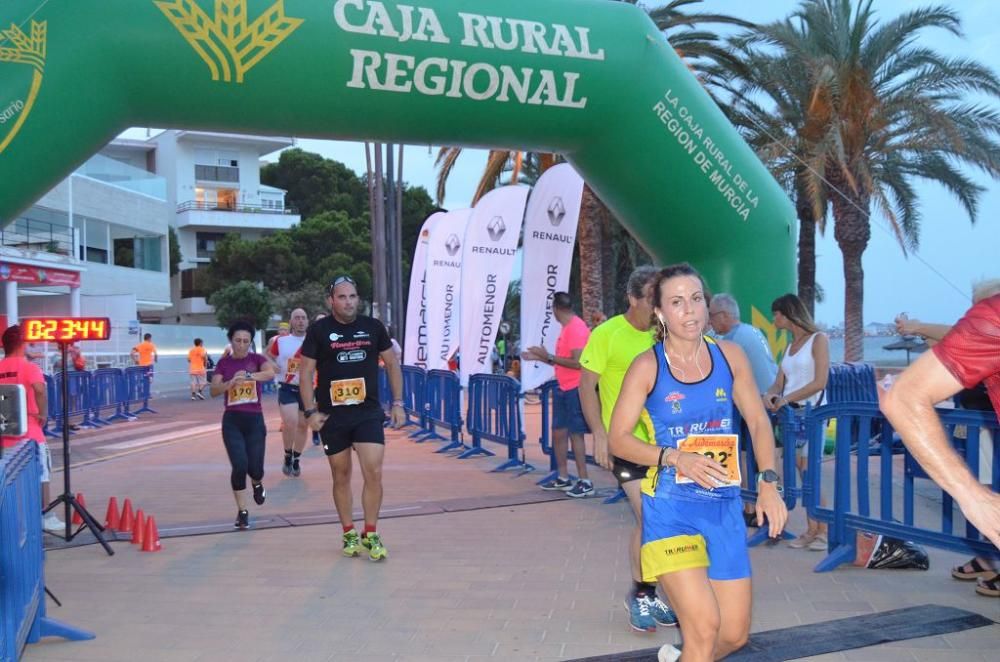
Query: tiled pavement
{"x": 535, "y": 581}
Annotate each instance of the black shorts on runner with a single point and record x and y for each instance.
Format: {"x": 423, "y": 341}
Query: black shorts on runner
{"x": 626, "y": 471}
{"x": 288, "y": 395}
{"x": 342, "y": 430}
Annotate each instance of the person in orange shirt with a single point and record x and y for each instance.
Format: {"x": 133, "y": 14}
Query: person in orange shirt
{"x": 144, "y": 354}
{"x": 196, "y": 368}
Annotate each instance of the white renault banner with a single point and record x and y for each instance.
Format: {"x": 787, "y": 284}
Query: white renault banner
{"x": 487, "y": 261}
{"x": 415, "y": 352}
{"x": 443, "y": 286}
{"x": 549, "y": 237}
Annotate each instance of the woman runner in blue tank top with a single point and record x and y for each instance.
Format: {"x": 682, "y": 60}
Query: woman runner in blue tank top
{"x": 694, "y": 536}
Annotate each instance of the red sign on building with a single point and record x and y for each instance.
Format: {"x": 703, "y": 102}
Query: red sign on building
{"x": 23, "y": 273}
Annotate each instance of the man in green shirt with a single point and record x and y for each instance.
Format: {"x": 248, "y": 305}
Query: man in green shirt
{"x": 605, "y": 360}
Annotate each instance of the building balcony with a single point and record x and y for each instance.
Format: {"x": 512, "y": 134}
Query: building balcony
{"x": 33, "y": 239}
{"x": 234, "y": 217}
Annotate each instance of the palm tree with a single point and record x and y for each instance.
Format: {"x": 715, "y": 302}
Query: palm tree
{"x": 771, "y": 107}
{"x": 884, "y": 112}
{"x": 708, "y": 59}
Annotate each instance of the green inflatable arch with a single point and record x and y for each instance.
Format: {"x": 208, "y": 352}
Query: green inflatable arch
{"x": 590, "y": 79}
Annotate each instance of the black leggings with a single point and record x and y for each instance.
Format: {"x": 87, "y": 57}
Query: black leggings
{"x": 243, "y": 433}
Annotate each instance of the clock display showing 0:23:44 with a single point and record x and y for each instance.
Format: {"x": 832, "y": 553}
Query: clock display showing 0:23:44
{"x": 65, "y": 329}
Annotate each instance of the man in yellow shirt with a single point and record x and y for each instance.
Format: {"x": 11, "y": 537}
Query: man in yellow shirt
{"x": 605, "y": 360}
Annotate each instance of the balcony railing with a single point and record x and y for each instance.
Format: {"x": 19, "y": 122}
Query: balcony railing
{"x": 33, "y": 235}
{"x": 216, "y": 173}
{"x": 193, "y": 205}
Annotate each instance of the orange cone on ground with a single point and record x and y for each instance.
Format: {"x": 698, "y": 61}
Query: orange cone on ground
{"x": 126, "y": 521}
{"x": 111, "y": 518}
{"x": 77, "y": 520}
{"x": 151, "y": 541}
{"x": 139, "y": 528}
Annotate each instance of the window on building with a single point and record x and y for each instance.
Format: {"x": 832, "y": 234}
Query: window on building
{"x": 206, "y": 243}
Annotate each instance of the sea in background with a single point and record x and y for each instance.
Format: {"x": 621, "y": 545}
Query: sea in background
{"x": 874, "y": 352}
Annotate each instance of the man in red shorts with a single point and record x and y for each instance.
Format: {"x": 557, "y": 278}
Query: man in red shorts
{"x": 967, "y": 355}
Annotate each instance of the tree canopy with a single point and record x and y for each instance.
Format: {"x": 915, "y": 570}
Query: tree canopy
{"x": 333, "y": 238}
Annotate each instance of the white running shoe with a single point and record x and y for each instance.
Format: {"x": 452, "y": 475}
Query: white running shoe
{"x": 53, "y": 524}
{"x": 668, "y": 653}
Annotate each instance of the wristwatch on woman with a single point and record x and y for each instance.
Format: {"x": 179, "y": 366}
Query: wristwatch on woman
{"x": 769, "y": 476}
{"x": 309, "y": 412}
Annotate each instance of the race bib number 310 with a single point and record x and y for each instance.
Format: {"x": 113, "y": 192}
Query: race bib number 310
{"x": 347, "y": 392}
{"x": 723, "y": 448}
{"x": 244, "y": 393}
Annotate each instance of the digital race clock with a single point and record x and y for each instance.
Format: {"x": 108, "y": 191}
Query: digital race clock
{"x": 65, "y": 329}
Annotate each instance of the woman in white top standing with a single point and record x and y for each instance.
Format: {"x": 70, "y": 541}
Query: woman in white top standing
{"x": 801, "y": 381}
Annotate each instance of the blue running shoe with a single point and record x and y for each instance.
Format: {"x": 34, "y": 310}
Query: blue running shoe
{"x": 660, "y": 610}
{"x": 638, "y": 614}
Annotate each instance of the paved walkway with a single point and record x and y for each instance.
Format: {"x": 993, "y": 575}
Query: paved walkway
{"x": 481, "y": 566}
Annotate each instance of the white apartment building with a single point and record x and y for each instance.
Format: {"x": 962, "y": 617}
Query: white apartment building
{"x": 213, "y": 183}
{"x": 100, "y": 234}
{"x": 104, "y": 230}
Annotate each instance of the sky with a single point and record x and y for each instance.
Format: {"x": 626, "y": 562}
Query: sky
{"x": 934, "y": 283}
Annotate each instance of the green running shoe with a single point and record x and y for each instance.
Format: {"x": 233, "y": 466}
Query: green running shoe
{"x": 352, "y": 543}
{"x": 373, "y": 543}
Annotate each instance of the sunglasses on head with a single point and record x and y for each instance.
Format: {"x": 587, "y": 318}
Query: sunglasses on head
{"x": 342, "y": 279}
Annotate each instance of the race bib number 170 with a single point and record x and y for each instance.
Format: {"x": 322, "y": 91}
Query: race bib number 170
{"x": 243, "y": 393}
{"x": 723, "y": 448}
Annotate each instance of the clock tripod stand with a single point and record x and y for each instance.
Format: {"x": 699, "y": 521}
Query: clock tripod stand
{"x": 69, "y": 501}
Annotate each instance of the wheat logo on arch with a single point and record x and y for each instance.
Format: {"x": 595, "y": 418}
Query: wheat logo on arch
{"x": 228, "y": 44}
{"x": 29, "y": 50}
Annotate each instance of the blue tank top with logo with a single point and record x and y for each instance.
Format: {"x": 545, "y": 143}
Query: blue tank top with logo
{"x": 676, "y": 409}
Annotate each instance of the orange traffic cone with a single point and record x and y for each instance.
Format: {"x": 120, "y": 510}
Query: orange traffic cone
{"x": 151, "y": 541}
{"x": 139, "y": 528}
{"x": 77, "y": 520}
{"x": 111, "y": 518}
{"x": 126, "y": 521}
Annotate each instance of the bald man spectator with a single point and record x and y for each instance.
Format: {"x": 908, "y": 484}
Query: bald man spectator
{"x": 724, "y": 316}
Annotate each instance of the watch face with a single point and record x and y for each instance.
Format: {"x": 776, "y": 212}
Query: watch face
{"x": 769, "y": 476}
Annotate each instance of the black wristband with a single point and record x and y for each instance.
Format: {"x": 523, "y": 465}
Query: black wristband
{"x": 309, "y": 412}
{"x": 659, "y": 462}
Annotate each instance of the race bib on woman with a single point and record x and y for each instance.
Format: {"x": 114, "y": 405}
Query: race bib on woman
{"x": 723, "y": 448}
{"x": 243, "y": 393}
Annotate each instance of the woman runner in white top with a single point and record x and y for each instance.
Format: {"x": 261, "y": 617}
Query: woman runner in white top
{"x": 801, "y": 381}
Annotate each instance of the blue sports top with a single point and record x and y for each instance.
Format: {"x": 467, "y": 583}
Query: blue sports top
{"x": 675, "y": 409}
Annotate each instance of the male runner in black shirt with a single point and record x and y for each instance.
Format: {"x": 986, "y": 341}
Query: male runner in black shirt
{"x": 344, "y": 350}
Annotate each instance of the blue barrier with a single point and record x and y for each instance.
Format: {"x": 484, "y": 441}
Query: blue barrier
{"x": 443, "y": 408}
{"x": 137, "y": 384}
{"x": 546, "y": 392}
{"x": 494, "y": 414}
{"x": 851, "y": 382}
{"x": 784, "y": 420}
{"x": 107, "y": 393}
{"x": 414, "y": 391}
{"x": 852, "y": 500}
{"x": 384, "y": 391}
{"x": 50, "y": 393}
{"x": 78, "y": 387}
{"x": 23, "y": 616}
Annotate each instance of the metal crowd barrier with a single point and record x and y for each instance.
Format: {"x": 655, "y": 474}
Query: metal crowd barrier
{"x": 494, "y": 414}
{"x": 138, "y": 380}
{"x": 98, "y": 398}
{"x": 414, "y": 392}
{"x": 23, "y": 616}
{"x": 78, "y": 387}
{"x": 852, "y": 509}
{"x": 546, "y": 392}
{"x": 851, "y": 382}
{"x": 443, "y": 408}
{"x": 107, "y": 394}
{"x": 384, "y": 392}
{"x": 783, "y": 420}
